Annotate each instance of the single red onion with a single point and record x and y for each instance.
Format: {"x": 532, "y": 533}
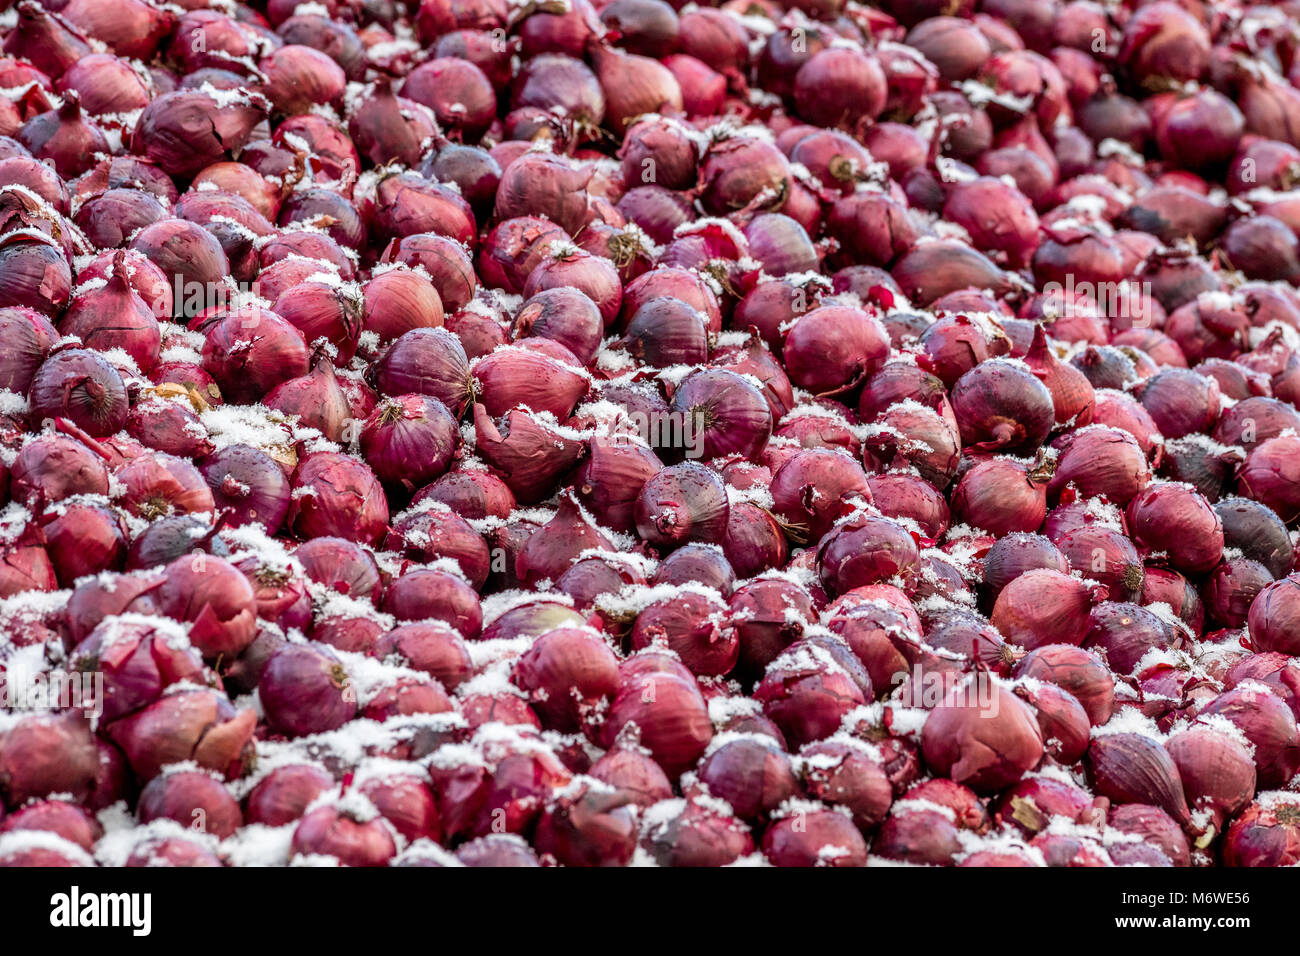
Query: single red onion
{"x": 1002, "y": 405}
{"x": 81, "y": 386}
{"x": 335, "y": 494}
{"x": 248, "y": 485}
{"x": 1043, "y": 607}
{"x": 409, "y": 439}
{"x": 427, "y": 362}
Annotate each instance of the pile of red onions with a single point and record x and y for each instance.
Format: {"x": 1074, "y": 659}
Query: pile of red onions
{"x": 631, "y": 432}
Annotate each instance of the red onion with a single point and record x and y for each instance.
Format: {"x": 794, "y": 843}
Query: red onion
{"x": 1014, "y": 554}
{"x": 327, "y": 831}
{"x": 341, "y": 565}
{"x": 668, "y": 709}
{"x": 334, "y": 494}
{"x": 1272, "y": 616}
{"x": 444, "y": 259}
{"x": 1002, "y": 405}
{"x": 159, "y": 484}
{"x": 528, "y": 453}
{"x": 82, "y": 387}
{"x": 814, "y": 488}
{"x": 35, "y": 272}
{"x": 1043, "y": 606}
{"x": 28, "y": 337}
{"x": 833, "y": 348}
{"x": 1175, "y": 519}
{"x": 540, "y": 184}
{"x": 667, "y": 331}
{"x": 515, "y": 376}
{"x": 64, "y": 138}
{"x": 175, "y": 130}
{"x": 571, "y": 676}
{"x": 551, "y": 549}
{"x": 250, "y": 351}
{"x": 198, "y": 725}
{"x": 610, "y": 479}
{"x": 984, "y": 746}
{"x": 438, "y": 533}
{"x": 806, "y": 693}
{"x": 316, "y": 399}
{"x": 83, "y": 539}
{"x": 1133, "y": 768}
{"x": 187, "y": 796}
{"x": 1267, "y": 723}
{"x": 691, "y": 625}
{"x": 1126, "y": 632}
{"x": 305, "y": 690}
{"x": 398, "y": 301}
{"x": 685, "y": 502}
{"x": 249, "y": 483}
{"x": 409, "y": 439}
{"x": 1100, "y": 461}
{"x": 1154, "y": 827}
{"x": 427, "y": 362}
{"x": 1002, "y": 495}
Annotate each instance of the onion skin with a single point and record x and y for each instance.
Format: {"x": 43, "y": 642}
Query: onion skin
{"x": 191, "y": 725}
